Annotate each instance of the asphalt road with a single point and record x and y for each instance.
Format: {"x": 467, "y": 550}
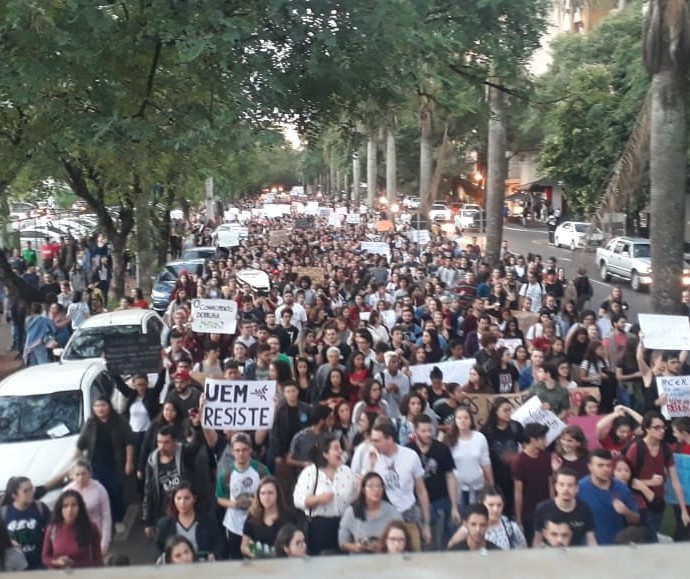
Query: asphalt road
{"x": 522, "y": 240}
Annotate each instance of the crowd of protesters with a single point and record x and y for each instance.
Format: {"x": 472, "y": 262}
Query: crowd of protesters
{"x": 359, "y": 458}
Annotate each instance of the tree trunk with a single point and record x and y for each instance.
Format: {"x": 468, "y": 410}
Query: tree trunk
{"x": 391, "y": 167}
{"x": 425, "y": 155}
{"x": 667, "y": 174}
{"x": 333, "y": 174}
{"x": 495, "y": 178}
{"x": 356, "y": 178}
{"x": 346, "y": 186}
{"x": 144, "y": 239}
{"x": 162, "y": 246}
{"x": 372, "y": 170}
{"x": 438, "y": 170}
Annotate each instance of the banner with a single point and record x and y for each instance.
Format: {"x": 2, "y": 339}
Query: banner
{"x": 454, "y": 371}
{"x": 480, "y": 404}
{"x": 278, "y": 238}
{"x": 421, "y": 236}
{"x": 384, "y": 225}
{"x": 577, "y": 394}
{"x": 677, "y": 392}
{"x": 531, "y": 411}
{"x": 325, "y": 211}
{"x": 377, "y": 247}
{"x": 390, "y": 317}
{"x": 238, "y": 405}
{"x": 525, "y": 319}
{"x": 335, "y": 220}
{"x": 214, "y": 316}
{"x": 314, "y": 273}
{"x": 665, "y": 332}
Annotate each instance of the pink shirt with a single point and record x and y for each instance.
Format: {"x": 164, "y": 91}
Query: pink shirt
{"x": 98, "y": 506}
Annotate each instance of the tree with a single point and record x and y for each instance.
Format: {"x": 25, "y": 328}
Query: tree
{"x": 666, "y": 58}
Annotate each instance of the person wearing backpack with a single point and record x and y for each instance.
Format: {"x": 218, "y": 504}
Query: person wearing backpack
{"x": 652, "y": 461}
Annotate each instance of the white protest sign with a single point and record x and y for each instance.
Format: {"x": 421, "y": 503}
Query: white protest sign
{"x": 677, "y": 392}
{"x": 285, "y": 208}
{"x": 665, "y": 332}
{"x": 364, "y": 316}
{"x": 531, "y": 411}
{"x": 238, "y": 405}
{"x": 455, "y": 371}
{"x": 510, "y": 343}
{"x": 353, "y": 219}
{"x": 341, "y": 210}
{"x": 420, "y": 236}
{"x": 214, "y": 316}
{"x": 273, "y": 211}
{"x": 325, "y": 211}
{"x": 377, "y": 247}
{"x": 335, "y": 220}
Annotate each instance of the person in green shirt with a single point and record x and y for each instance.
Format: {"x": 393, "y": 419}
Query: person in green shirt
{"x": 547, "y": 389}
{"x": 29, "y": 255}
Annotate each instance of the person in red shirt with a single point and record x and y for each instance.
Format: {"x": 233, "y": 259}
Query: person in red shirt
{"x": 616, "y": 430}
{"x": 138, "y": 300}
{"x": 71, "y": 540}
{"x": 47, "y": 252}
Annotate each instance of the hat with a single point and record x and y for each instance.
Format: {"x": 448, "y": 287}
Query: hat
{"x": 183, "y": 374}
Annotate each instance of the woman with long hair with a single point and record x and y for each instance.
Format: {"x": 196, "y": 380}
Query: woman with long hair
{"x": 411, "y": 406}
{"x": 179, "y": 550}
{"x": 395, "y": 538}
{"x": 371, "y": 400}
{"x": 71, "y": 540}
{"x": 576, "y": 345}
{"x": 512, "y": 330}
{"x": 11, "y": 556}
{"x": 432, "y": 346}
{"x": 199, "y": 527}
{"x": 323, "y": 491}
{"x": 594, "y": 373}
{"x": 470, "y": 451}
{"x": 266, "y": 515}
{"x": 504, "y": 436}
{"x": 305, "y": 347}
{"x": 343, "y": 426}
{"x": 336, "y": 386}
{"x": 304, "y": 377}
{"x": 290, "y": 542}
{"x": 25, "y": 518}
{"x": 95, "y": 498}
{"x": 521, "y": 358}
{"x": 478, "y": 382}
{"x": 362, "y": 444}
{"x": 365, "y": 519}
{"x": 589, "y": 406}
{"x": 378, "y": 331}
{"x": 571, "y": 451}
{"x": 357, "y": 373}
{"x": 503, "y": 376}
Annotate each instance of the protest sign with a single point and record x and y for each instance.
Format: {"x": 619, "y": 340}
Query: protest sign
{"x": 278, "y": 238}
{"x": 335, "y": 220}
{"x": 480, "y": 404}
{"x": 315, "y": 274}
{"x": 341, "y": 210}
{"x": 214, "y": 316}
{"x": 588, "y": 424}
{"x": 577, "y": 394}
{"x": 325, "y": 211}
{"x": 378, "y": 247}
{"x": 364, "y": 316}
{"x": 273, "y": 211}
{"x": 389, "y": 318}
{"x": 454, "y": 371}
{"x": 665, "y": 332}
{"x": 238, "y": 405}
{"x": 353, "y": 219}
{"x": 683, "y": 469}
{"x": 132, "y": 353}
{"x": 304, "y": 223}
{"x": 384, "y": 225}
{"x": 510, "y": 343}
{"x": 531, "y": 411}
{"x": 677, "y": 392}
{"x": 421, "y": 236}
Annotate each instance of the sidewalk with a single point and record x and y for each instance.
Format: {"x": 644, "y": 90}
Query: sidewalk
{"x": 8, "y": 358}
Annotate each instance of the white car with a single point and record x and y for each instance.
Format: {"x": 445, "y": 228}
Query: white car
{"x": 464, "y": 218}
{"x": 439, "y": 212}
{"x": 411, "y": 202}
{"x": 572, "y": 234}
{"x": 42, "y": 411}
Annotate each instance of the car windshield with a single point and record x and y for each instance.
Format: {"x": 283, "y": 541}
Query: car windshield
{"x": 641, "y": 250}
{"x": 40, "y": 417}
{"x": 581, "y": 227}
{"x": 89, "y": 342}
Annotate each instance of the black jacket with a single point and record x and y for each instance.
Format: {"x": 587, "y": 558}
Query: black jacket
{"x": 151, "y": 398}
{"x": 208, "y": 536}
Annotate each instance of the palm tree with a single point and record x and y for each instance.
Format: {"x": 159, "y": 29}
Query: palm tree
{"x": 666, "y": 47}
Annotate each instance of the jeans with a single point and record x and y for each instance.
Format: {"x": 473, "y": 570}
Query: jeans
{"x": 107, "y": 475}
{"x": 442, "y": 527}
{"x": 653, "y": 522}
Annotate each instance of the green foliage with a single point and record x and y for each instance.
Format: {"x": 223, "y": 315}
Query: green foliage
{"x": 586, "y": 106}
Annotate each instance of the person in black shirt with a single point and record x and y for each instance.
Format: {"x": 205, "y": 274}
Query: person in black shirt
{"x": 476, "y": 522}
{"x": 439, "y": 479}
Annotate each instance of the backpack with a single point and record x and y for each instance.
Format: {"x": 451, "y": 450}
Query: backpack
{"x": 39, "y": 505}
{"x": 640, "y": 456}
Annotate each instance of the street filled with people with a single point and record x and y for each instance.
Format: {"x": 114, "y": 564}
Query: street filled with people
{"x": 403, "y": 370}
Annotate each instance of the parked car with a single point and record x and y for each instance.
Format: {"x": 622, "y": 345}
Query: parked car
{"x": 573, "y": 234}
{"x": 464, "y": 219}
{"x": 42, "y": 411}
{"x": 439, "y": 212}
{"x": 165, "y": 281}
{"x": 199, "y": 253}
{"x": 411, "y": 202}
{"x": 630, "y": 258}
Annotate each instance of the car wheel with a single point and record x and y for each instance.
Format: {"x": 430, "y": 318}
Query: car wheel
{"x": 635, "y": 282}
{"x": 604, "y": 272}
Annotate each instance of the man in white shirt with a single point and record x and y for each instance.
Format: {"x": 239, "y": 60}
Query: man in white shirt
{"x": 396, "y": 385}
{"x": 403, "y": 475}
{"x": 533, "y": 289}
{"x": 299, "y": 314}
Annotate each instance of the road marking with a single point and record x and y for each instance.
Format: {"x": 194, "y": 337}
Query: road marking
{"x": 565, "y": 259}
{"x": 599, "y": 283}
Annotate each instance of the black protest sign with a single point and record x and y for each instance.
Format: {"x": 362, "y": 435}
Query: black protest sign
{"x": 132, "y": 354}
